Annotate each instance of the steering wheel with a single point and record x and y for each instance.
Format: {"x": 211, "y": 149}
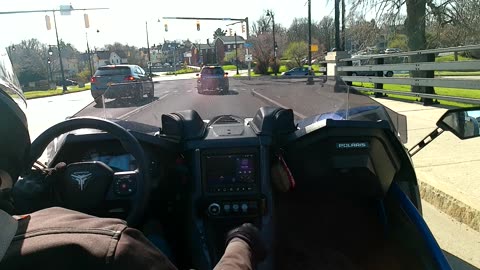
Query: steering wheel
{"x": 86, "y": 185}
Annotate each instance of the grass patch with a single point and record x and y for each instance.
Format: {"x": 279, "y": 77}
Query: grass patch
{"x": 453, "y": 92}
{"x": 457, "y": 73}
{"x": 229, "y": 67}
{"x": 55, "y": 92}
{"x": 182, "y": 71}
{"x": 451, "y": 57}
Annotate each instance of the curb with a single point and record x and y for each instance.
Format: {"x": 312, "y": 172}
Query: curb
{"x": 450, "y": 206}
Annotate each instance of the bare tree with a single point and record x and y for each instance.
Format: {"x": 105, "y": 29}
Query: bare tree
{"x": 326, "y": 35}
{"x": 362, "y": 33}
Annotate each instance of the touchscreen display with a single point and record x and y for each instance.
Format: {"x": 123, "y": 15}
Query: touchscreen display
{"x": 230, "y": 169}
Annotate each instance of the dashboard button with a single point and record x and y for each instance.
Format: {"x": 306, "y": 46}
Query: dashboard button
{"x": 227, "y": 208}
{"x": 244, "y": 207}
{"x": 235, "y": 207}
{"x": 214, "y": 209}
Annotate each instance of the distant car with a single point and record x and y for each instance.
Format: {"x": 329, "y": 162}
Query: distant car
{"x": 212, "y": 78}
{"x": 393, "y": 50}
{"x": 121, "y": 81}
{"x": 68, "y": 82}
{"x": 372, "y": 73}
{"x": 364, "y": 62}
{"x": 296, "y": 72}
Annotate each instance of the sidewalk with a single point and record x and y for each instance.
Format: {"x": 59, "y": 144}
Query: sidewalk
{"x": 448, "y": 168}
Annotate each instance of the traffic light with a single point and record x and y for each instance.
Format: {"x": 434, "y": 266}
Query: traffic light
{"x": 243, "y": 28}
{"x": 86, "y": 20}
{"x": 198, "y": 26}
{"x": 166, "y": 27}
{"x": 48, "y": 60}
{"x": 230, "y": 31}
{"x": 47, "y": 22}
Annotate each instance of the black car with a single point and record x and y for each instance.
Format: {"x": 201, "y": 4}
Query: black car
{"x": 121, "y": 81}
{"x": 212, "y": 78}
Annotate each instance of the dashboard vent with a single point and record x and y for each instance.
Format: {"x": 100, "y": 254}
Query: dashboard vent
{"x": 225, "y": 119}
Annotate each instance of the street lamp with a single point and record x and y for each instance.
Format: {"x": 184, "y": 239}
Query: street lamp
{"x": 236, "y": 53}
{"x": 272, "y": 17}
{"x": 148, "y": 51}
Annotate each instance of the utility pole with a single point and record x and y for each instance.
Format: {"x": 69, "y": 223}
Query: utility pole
{"x": 148, "y": 51}
{"x": 60, "y": 54}
{"x": 272, "y": 16}
{"x": 236, "y": 53}
{"x": 89, "y": 56}
{"x": 337, "y": 25}
{"x": 310, "y": 79}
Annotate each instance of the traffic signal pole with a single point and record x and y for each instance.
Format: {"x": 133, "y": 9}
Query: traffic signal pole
{"x": 64, "y": 86}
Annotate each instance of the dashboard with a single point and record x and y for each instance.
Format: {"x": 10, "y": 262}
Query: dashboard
{"x": 118, "y": 162}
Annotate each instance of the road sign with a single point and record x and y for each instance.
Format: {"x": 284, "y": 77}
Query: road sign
{"x": 248, "y": 58}
{"x": 187, "y": 54}
{"x": 314, "y": 48}
{"x": 248, "y": 45}
{"x": 149, "y": 64}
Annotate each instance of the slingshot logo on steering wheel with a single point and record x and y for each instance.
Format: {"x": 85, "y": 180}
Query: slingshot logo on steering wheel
{"x": 81, "y": 178}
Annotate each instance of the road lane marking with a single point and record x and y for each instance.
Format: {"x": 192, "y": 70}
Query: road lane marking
{"x": 130, "y": 113}
{"x": 255, "y": 93}
{"x": 189, "y": 91}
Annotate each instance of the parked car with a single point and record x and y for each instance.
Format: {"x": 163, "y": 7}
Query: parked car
{"x": 363, "y": 62}
{"x": 121, "y": 81}
{"x": 296, "y": 72}
{"x": 212, "y": 78}
{"x": 393, "y": 50}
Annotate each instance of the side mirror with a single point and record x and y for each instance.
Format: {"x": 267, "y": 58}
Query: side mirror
{"x": 226, "y": 73}
{"x": 464, "y": 123}
{"x": 197, "y": 74}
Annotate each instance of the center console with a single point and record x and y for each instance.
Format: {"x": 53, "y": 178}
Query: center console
{"x": 231, "y": 193}
{"x": 231, "y": 183}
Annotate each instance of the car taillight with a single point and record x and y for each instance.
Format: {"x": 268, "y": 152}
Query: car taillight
{"x": 130, "y": 78}
{"x": 93, "y": 80}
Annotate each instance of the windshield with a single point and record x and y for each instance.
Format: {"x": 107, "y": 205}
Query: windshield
{"x": 332, "y": 99}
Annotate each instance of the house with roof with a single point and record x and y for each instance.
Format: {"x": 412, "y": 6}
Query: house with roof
{"x": 103, "y": 58}
{"x": 225, "y": 47}
{"x": 202, "y": 54}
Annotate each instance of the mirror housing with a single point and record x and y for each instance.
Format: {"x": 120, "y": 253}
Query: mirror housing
{"x": 464, "y": 122}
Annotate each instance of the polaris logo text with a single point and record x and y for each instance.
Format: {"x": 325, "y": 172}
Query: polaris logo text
{"x": 357, "y": 145}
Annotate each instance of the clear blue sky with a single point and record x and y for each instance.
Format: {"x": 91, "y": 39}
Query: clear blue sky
{"x": 124, "y": 22}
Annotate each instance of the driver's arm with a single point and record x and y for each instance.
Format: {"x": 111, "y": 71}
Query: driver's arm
{"x": 134, "y": 251}
{"x": 244, "y": 250}
{"x": 237, "y": 256}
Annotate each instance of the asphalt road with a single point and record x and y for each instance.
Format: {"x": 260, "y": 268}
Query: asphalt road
{"x": 172, "y": 96}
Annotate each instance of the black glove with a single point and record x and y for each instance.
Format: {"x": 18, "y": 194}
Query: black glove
{"x": 34, "y": 191}
{"x": 250, "y": 234}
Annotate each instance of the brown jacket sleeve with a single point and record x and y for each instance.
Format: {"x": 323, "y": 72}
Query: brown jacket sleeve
{"x": 237, "y": 256}
{"x": 134, "y": 251}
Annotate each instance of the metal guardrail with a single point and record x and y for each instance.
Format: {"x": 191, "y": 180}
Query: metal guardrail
{"x": 346, "y": 68}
